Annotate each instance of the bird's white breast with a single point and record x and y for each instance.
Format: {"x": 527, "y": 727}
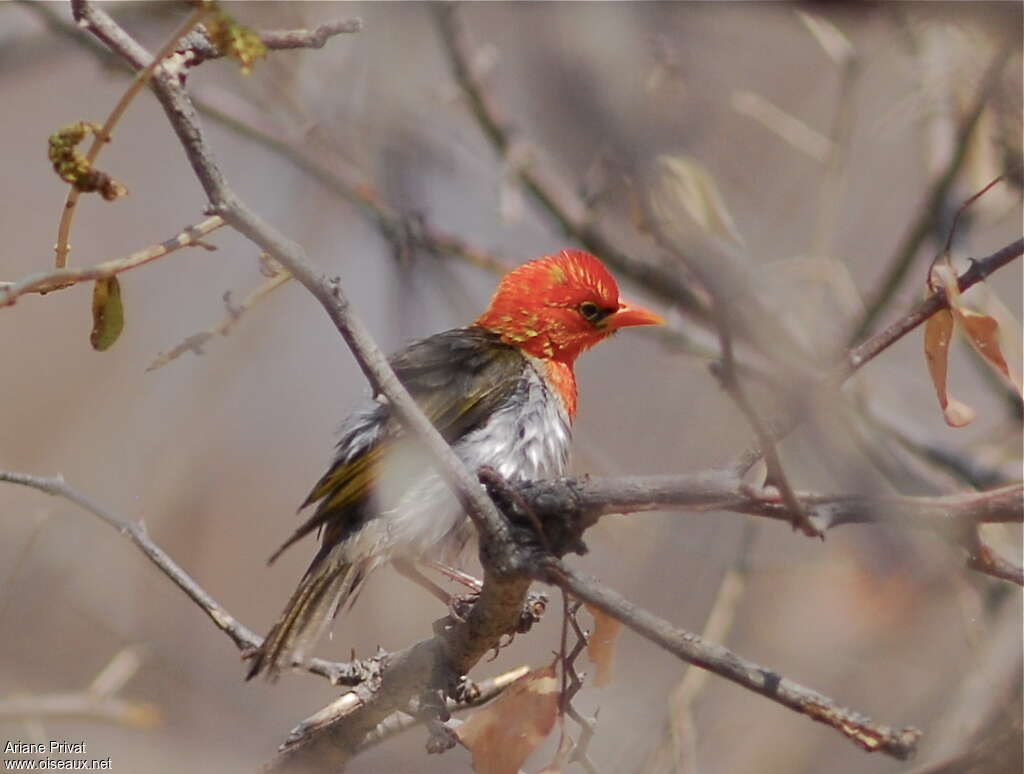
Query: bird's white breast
{"x": 527, "y": 438}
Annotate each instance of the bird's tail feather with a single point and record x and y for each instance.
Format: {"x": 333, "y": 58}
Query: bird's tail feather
{"x": 324, "y": 589}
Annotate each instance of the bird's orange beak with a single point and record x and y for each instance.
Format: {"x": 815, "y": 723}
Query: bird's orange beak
{"x": 630, "y": 315}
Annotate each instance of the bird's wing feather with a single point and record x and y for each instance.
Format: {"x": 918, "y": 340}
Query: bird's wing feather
{"x": 459, "y": 378}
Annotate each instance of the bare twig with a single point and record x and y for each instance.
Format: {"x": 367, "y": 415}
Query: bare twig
{"x": 103, "y": 136}
{"x": 135, "y": 531}
{"x": 982, "y": 558}
{"x": 46, "y": 282}
{"x": 314, "y": 38}
{"x": 575, "y": 751}
{"x": 196, "y": 341}
{"x": 870, "y": 736}
{"x": 200, "y": 49}
{"x": 726, "y": 373}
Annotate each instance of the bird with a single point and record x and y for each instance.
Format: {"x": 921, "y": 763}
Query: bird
{"x": 501, "y": 391}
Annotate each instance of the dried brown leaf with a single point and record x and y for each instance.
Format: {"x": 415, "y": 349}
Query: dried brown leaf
{"x": 502, "y": 736}
{"x": 981, "y": 330}
{"x": 601, "y": 646}
{"x": 938, "y": 332}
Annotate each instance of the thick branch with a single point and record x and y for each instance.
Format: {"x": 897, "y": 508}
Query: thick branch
{"x": 585, "y": 500}
{"x": 574, "y": 505}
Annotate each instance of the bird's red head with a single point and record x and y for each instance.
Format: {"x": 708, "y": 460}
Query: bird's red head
{"x": 558, "y": 306}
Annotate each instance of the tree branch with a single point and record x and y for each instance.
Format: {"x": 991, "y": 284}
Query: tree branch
{"x": 580, "y": 503}
{"x": 46, "y": 282}
{"x": 135, "y": 531}
{"x": 200, "y": 49}
{"x": 870, "y": 736}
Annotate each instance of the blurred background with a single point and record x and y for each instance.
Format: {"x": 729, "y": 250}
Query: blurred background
{"x": 823, "y": 129}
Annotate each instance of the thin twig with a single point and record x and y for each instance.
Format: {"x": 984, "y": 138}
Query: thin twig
{"x": 135, "y": 531}
{"x": 46, "y": 282}
{"x": 200, "y": 49}
{"x": 103, "y": 136}
{"x": 868, "y": 735}
{"x": 730, "y": 381}
{"x": 197, "y": 341}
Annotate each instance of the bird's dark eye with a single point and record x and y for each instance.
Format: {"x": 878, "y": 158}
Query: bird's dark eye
{"x": 592, "y": 312}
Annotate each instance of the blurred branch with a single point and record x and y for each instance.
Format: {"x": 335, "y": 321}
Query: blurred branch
{"x": 97, "y": 702}
{"x": 569, "y": 216}
{"x": 677, "y": 750}
{"x": 46, "y": 282}
{"x": 931, "y": 208}
{"x": 966, "y": 467}
{"x": 393, "y": 225}
{"x": 135, "y": 531}
{"x": 982, "y": 558}
{"x": 868, "y": 350}
{"x": 776, "y": 476}
{"x": 197, "y": 341}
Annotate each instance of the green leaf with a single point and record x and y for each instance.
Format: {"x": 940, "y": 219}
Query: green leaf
{"x": 107, "y": 313}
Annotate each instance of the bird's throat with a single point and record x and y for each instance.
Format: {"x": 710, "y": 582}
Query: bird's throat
{"x": 562, "y": 378}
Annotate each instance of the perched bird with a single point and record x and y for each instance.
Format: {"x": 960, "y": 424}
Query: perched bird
{"x": 502, "y": 392}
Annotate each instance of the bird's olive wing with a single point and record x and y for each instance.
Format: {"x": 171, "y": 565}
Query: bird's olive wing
{"x": 459, "y": 378}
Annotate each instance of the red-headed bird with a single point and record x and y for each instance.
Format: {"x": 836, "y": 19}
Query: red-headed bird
{"x": 502, "y": 392}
